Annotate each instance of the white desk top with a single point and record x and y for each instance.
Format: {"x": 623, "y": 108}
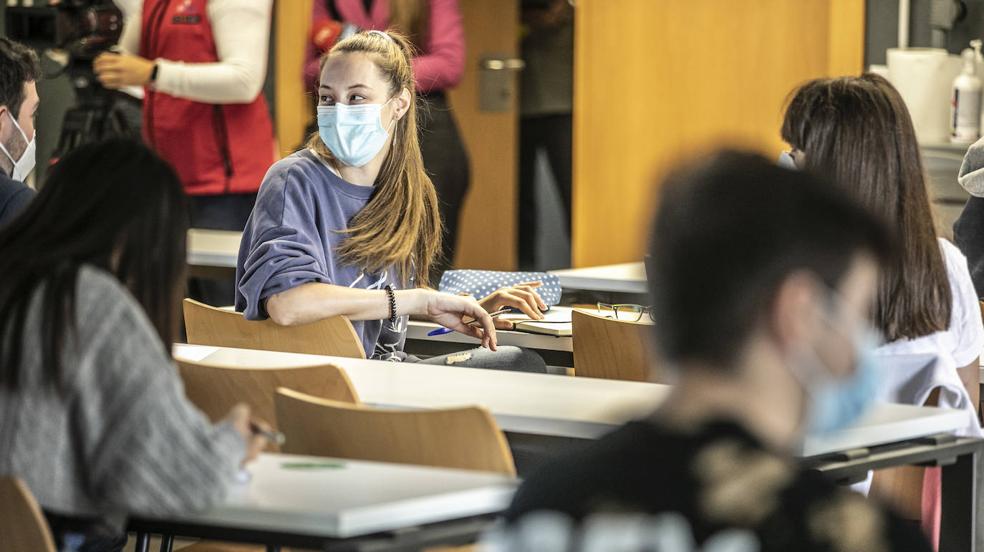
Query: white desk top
{"x": 540, "y": 404}
{"x": 418, "y": 330}
{"x": 554, "y": 405}
{"x": 216, "y": 248}
{"x": 887, "y": 423}
{"x": 617, "y": 278}
{"x": 348, "y": 498}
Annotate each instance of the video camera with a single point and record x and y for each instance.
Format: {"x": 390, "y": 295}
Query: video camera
{"x": 81, "y": 28}
{"x": 73, "y": 33}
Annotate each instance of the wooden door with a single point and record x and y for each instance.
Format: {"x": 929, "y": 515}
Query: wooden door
{"x": 659, "y": 80}
{"x": 293, "y": 103}
{"x": 488, "y": 225}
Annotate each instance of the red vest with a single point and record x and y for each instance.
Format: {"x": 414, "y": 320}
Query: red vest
{"x": 216, "y": 149}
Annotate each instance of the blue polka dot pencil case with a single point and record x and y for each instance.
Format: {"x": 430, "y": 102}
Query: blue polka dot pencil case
{"x": 481, "y": 283}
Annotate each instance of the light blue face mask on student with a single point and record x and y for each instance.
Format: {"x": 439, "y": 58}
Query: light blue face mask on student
{"x": 835, "y": 403}
{"x": 353, "y": 133}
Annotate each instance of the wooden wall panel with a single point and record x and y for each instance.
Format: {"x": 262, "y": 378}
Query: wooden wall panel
{"x": 293, "y": 23}
{"x": 658, "y": 80}
{"x": 487, "y": 229}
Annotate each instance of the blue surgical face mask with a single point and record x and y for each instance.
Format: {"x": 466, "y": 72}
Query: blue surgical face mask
{"x": 833, "y": 402}
{"x": 838, "y": 403}
{"x": 353, "y": 133}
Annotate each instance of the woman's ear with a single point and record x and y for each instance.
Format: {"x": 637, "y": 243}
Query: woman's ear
{"x": 402, "y": 103}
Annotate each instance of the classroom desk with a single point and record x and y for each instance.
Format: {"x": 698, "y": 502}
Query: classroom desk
{"x": 536, "y": 404}
{"x": 556, "y": 351}
{"x": 213, "y": 248}
{"x": 617, "y": 278}
{"x": 347, "y": 504}
{"x": 559, "y": 406}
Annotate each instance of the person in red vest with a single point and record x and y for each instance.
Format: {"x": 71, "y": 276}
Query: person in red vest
{"x": 202, "y": 64}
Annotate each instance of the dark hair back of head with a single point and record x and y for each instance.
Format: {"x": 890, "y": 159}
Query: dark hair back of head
{"x": 114, "y": 205}
{"x": 857, "y": 131}
{"x": 18, "y": 65}
{"x": 727, "y": 234}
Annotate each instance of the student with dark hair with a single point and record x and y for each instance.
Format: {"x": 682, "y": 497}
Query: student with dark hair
{"x": 772, "y": 348}
{"x": 19, "y": 72}
{"x": 857, "y": 130}
{"x": 93, "y": 416}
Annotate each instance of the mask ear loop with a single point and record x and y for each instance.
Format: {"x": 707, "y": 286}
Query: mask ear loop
{"x": 23, "y": 134}
{"x": 394, "y": 125}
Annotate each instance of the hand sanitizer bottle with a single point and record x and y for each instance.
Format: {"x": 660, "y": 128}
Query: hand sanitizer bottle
{"x": 965, "y": 103}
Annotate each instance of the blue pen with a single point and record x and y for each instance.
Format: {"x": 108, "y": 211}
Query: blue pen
{"x": 444, "y": 331}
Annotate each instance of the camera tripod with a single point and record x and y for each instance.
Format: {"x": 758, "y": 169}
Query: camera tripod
{"x": 98, "y": 114}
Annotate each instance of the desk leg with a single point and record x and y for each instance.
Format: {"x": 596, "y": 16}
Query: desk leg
{"x": 958, "y": 530}
{"x": 273, "y": 548}
{"x": 167, "y": 543}
{"x": 143, "y": 543}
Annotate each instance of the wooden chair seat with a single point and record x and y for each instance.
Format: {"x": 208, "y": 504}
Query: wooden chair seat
{"x": 23, "y": 527}
{"x": 207, "y": 325}
{"x": 216, "y": 389}
{"x": 611, "y": 349}
{"x": 465, "y": 438}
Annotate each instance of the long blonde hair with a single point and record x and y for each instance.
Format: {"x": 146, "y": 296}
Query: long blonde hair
{"x": 401, "y": 224}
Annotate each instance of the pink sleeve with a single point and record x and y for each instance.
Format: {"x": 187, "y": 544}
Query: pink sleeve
{"x": 312, "y": 58}
{"x": 442, "y": 62}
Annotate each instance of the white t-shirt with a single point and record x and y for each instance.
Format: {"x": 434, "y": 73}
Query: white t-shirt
{"x": 964, "y": 339}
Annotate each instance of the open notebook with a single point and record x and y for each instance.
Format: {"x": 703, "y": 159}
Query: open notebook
{"x": 557, "y": 322}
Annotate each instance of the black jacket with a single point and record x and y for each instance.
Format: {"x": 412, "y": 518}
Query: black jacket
{"x": 14, "y": 197}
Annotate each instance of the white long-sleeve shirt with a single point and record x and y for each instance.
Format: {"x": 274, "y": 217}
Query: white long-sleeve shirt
{"x": 242, "y": 33}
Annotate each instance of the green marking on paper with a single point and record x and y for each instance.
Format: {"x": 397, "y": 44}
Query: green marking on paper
{"x": 312, "y": 465}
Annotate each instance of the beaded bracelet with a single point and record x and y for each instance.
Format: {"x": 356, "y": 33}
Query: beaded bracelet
{"x": 391, "y": 296}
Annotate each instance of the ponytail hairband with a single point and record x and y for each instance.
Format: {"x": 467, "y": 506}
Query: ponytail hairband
{"x": 382, "y": 34}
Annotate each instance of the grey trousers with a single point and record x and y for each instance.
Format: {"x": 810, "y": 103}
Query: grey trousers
{"x": 513, "y": 359}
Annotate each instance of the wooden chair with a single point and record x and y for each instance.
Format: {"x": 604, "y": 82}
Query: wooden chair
{"x": 216, "y": 389}
{"x": 206, "y": 325}
{"x": 465, "y": 438}
{"x": 611, "y": 349}
{"x": 22, "y": 525}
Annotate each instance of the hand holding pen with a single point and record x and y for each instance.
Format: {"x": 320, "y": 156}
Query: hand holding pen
{"x": 472, "y": 322}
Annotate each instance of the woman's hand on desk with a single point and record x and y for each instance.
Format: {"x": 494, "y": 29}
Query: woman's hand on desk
{"x": 461, "y": 314}
{"x": 521, "y": 296}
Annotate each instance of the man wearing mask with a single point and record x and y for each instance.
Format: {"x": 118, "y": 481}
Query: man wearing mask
{"x": 762, "y": 281}
{"x": 19, "y": 72}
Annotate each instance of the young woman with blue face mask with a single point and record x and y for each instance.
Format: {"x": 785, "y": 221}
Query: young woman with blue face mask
{"x": 350, "y": 225}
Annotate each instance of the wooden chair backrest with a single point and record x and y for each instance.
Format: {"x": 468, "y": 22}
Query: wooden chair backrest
{"x": 465, "y": 438}
{"x": 216, "y": 389}
{"x": 23, "y": 527}
{"x": 207, "y": 325}
{"x": 611, "y": 349}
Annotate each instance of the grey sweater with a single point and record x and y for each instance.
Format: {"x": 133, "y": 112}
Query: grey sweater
{"x": 123, "y": 439}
